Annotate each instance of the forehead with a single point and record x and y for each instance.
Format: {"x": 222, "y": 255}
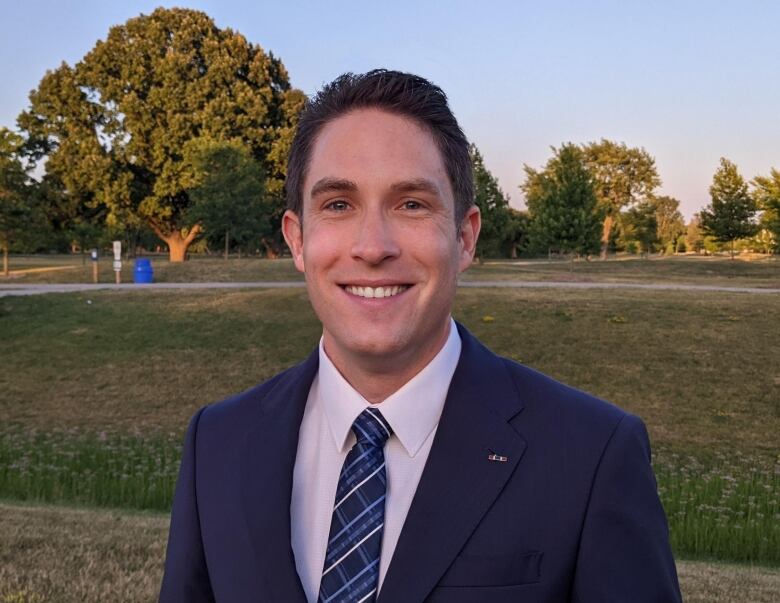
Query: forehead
{"x": 374, "y": 148}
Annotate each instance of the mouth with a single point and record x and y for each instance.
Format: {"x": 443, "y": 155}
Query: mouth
{"x": 375, "y": 292}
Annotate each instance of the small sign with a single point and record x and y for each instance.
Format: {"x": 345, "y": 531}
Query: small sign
{"x": 117, "y": 265}
{"x": 117, "y": 251}
{"x": 94, "y": 255}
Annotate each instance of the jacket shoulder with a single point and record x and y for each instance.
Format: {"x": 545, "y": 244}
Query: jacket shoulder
{"x": 545, "y": 397}
{"x": 245, "y": 407}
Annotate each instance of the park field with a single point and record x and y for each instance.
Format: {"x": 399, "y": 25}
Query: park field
{"x": 752, "y": 271}
{"x": 96, "y": 390}
{"x": 699, "y": 368}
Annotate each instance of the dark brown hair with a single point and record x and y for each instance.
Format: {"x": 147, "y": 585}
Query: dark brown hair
{"x": 400, "y": 93}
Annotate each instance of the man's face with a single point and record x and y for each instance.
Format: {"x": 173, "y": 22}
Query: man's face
{"x": 378, "y": 244}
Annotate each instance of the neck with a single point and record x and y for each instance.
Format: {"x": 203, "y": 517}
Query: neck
{"x": 376, "y": 378}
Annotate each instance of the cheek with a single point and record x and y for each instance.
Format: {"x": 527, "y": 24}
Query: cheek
{"x": 320, "y": 250}
{"x": 439, "y": 256}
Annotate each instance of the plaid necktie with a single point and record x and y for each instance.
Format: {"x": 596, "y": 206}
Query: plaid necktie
{"x": 351, "y": 571}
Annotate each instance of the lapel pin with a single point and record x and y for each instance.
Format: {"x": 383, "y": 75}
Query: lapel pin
{"x": 497, "y": 457}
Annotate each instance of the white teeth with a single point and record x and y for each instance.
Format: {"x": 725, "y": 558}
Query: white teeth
{"x": 372, "y": 292}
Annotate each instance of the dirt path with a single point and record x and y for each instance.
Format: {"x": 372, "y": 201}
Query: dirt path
{"x": 18, "y": 290}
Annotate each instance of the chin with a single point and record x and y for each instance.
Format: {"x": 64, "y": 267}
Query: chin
{"x": 374, "y": 346}
{"x": 369, "y": 341}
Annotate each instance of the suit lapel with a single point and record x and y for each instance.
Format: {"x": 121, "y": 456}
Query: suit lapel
{"x": 459, "y": 482}
{"x": 267, "y": 473}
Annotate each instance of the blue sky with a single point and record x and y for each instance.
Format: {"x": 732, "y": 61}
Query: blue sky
{"x": 689, "y": 81}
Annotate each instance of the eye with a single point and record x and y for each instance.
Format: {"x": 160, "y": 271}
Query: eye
{"x": 337, "y": 205}
{"x": 412, "y": 204}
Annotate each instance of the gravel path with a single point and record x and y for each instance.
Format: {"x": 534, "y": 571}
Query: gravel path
{"x": 17, "y": 290}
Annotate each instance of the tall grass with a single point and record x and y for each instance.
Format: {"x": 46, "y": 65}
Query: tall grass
{"x": 725, "y": 506}
{"x": 92, "y": 469}
{"x": 722, "y": 507}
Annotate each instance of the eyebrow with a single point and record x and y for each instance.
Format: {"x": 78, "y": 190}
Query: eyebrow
{"x": 330, "y": 185}
{"x": 416, "y": 185}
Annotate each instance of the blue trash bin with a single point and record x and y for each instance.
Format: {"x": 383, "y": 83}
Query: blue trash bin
{"x": 143, "y": 272}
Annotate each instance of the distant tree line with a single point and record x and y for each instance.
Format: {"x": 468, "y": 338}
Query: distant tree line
{"x": 173, "y": 133}
{"x": 612, "y": 185}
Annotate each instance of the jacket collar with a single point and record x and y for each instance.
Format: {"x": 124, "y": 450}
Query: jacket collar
{"x": 459, "y": 482}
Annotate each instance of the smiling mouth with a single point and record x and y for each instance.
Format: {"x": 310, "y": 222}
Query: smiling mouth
{"x": 376, "y": 292}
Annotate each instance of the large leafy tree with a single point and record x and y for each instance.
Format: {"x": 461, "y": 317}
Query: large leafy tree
{"x": 766, "y": 193}
{"x": 622, "y": 176}
{"x": 562, "y": 204}
{"x": 228, "y": 199}
{"x": 730, "y": 215}
{"x": 493, "y": 206}
{"x": 114, "y": 127}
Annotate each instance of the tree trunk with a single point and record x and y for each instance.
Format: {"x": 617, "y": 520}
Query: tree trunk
{"x": 605, "y": 232}
{"x": 177, "y": 250}
{"x": 732, "y": 249}
{"x": 239, "y": 252}
{"x": 270, "y": 251}
{"x": 178, "y": 242}
{"x": 227, "y": 240}
{"x": 6, "y": 270}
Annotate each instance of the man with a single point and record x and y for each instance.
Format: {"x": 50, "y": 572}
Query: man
{"x": 403, "y": 461}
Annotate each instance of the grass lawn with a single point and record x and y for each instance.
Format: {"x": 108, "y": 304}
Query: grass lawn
{"x": 96, "y": 389}
{"x": 74, "y": 555}
{"x": 755, "y": 272}
{"x": 701, "y": 369}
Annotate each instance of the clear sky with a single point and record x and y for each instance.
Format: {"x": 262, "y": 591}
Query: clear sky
{"x": 689, "y": 81}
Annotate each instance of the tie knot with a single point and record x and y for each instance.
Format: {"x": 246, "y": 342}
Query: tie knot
{"x": 371, "y": 428}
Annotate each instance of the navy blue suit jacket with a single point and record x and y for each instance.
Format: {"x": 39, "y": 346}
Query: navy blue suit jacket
{"x": 572, "y": 514}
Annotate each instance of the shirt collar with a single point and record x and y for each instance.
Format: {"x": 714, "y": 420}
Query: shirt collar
{"x": 413, "y": 411}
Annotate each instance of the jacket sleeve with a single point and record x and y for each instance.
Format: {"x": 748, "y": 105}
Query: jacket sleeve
{"x": 186, "y": 576}
{"x": 624, "y": 552}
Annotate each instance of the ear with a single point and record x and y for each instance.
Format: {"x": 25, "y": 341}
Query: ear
{"x": 468, "y": 235}
{"x": 293, "y": 234}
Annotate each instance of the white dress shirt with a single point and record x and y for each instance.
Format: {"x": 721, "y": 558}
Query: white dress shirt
{"x": 326, "y": 437}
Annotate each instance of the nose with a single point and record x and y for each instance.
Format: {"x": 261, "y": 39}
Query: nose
{"x": 375, "y": 241}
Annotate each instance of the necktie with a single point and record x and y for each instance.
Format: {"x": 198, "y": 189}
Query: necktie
{"x": 351, "y": 570}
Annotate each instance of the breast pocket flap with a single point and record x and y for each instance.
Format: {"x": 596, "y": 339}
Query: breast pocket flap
{"x": 502, "y": 570}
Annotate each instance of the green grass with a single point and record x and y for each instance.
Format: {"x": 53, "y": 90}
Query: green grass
{"x": 724, "y": 507}
{"x": 727, "y": 508}
{"x": 91, "y": 469}
{"x": 698, "y": 368}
